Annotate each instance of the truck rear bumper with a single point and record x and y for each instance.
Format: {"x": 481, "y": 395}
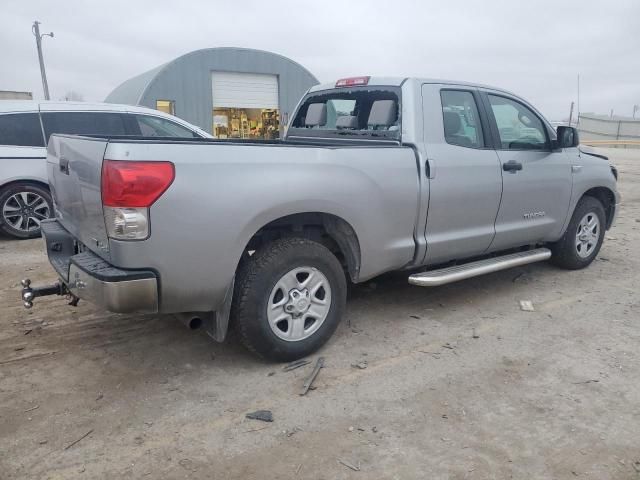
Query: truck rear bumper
{"x": 91, "y": 278}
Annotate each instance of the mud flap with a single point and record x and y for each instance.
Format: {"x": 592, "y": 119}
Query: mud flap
{"x": 216, "y": 323}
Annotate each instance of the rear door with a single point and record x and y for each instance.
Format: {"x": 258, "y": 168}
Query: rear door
{"x": 536, "y": 180}
{"x": 465, "y": 180}
{"x": 22, "y": 149}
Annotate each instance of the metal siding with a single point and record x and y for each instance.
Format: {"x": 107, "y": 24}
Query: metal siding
{"x": 187, "y": 81}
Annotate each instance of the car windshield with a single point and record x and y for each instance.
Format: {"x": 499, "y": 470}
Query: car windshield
{"x": 359, "y": 112}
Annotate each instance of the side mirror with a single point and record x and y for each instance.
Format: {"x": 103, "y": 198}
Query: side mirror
{"x": 567, "y": 137}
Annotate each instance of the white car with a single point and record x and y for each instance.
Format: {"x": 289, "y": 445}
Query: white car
{"x": 25, "y": 127}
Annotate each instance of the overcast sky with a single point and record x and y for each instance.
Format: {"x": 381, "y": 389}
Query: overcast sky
{"x": 535, "y": 48}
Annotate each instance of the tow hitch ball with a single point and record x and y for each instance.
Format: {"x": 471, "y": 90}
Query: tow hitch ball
{"x": 58, "y": 288}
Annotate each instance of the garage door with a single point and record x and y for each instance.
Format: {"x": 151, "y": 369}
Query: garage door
{"x": 244, "y": 90}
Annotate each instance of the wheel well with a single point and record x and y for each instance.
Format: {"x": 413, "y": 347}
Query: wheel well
{"x": 606, "y": 197}
{"x": 37, "y": 183}
{"x": 329, "y": 230}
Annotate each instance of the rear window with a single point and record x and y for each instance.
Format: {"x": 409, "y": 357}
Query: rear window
{"x": 21, "y": 129}
{"x": 83, "y": 123}
{"x": 359, "y": 112}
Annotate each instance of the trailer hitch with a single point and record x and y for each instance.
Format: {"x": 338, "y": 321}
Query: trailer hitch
{"x": 58, "y": 288}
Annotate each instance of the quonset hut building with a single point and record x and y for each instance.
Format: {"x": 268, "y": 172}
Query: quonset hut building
{"x": 230, "y": 92}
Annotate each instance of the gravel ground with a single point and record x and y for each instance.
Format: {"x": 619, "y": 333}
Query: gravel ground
{"x": 553, "y": 393}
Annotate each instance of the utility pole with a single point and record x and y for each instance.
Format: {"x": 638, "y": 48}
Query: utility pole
{"x": 578, "y": 103}
{"x": 36, "y": 32}
{"x": 571, "y": 114}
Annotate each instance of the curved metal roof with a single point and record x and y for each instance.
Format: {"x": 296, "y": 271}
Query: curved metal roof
{"x": 132, "y": 91}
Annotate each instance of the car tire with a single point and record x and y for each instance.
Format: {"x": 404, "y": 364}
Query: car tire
{"x": 289, "y": 298}
{"x": 22, "y": 206}
{"x": 583, "y": 238}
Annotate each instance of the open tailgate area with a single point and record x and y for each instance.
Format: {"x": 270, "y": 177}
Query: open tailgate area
{"x": 74, "y": 168}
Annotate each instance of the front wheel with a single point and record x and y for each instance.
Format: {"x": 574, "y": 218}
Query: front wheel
{"x": 289, "y": 298}
{"x": 583, "y": 238}
{"x": 23, "y": 206}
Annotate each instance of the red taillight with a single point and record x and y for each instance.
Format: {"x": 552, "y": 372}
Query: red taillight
{"x": 134, "y": 184}
{"x": 352, "y": 81}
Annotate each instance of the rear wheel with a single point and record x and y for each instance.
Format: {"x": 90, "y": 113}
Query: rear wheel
{"x": 23, "y": 206}
{"x": 289, "y": 298}
{"x": 583, "y": 238}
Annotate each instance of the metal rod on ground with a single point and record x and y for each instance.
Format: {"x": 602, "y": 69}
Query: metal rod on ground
{"x": 312, "y": 377}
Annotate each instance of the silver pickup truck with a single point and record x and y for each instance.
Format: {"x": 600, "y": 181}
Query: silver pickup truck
{"x": 446, "y": 180}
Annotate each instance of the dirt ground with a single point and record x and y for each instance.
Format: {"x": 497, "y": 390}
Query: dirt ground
{"x": 553, "y": 393}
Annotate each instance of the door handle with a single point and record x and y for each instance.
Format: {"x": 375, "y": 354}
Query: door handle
{"x": 512, "y": 166}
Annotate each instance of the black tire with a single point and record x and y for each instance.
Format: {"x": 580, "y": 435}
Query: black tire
{"x": 27, "y": 227}
{"x": 565, "y": 251}
{"x": 256, "y": 279}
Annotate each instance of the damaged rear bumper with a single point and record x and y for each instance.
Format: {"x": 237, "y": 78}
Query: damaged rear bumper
{"x": 89, "y": 277}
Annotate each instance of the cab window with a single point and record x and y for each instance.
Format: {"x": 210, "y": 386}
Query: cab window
{"x": 519, "y": 128}
{"x": 358, "y": 112}
{"x": 161, "y": 127}
{"x": 460, "y": 118}
{"x": 21, "y": 129}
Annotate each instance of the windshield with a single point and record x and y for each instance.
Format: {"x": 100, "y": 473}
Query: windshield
{"x": 359, "y": 112}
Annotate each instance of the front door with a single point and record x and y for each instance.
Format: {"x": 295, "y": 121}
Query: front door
{"x": 536, "y": 180}
{"x": 465, "y": 178}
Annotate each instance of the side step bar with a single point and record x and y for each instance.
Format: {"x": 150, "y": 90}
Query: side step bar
{"x": 443, "y": 276}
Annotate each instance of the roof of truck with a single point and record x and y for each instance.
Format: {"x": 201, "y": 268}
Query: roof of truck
{"x": 398, "y": 81}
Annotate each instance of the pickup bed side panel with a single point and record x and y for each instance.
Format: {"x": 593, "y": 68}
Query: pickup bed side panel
{"x": 223, "y": 194}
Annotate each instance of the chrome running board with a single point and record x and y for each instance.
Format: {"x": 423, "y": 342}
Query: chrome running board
{"x": 433, "y": 278}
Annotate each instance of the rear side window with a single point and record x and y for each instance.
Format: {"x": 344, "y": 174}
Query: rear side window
{"x": 461, "y": 120}
{"x": 161, "y": 127}
{"x": 21, "y": 129}
{"x": 83, "y": 123}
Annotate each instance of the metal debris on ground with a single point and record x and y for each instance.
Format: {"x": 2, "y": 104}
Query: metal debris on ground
{"x": 526, "y": 306}
{"x": 296, "y": 364}
{"x": 349, "y": 465}
{"x": 256, "y": 429}
{"x": 309, "y": 381}
{"x": 415, "y": 316}
{"x": 361, "y": 365}
{"x": 31, "y": 409}
{"x": 293, "y": 431}
{"x": 262, "y": 415}
{"x": 518, "y": 277}
{"x": 79, "y": 439}
{"x": 586, "y": 381}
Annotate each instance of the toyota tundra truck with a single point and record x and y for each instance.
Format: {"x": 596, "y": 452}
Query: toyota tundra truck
{"x": 444, "y": 180}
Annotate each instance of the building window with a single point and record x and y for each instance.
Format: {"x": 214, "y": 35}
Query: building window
{"x": 166, "y": 106}
{"x": 246, "y": 123}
